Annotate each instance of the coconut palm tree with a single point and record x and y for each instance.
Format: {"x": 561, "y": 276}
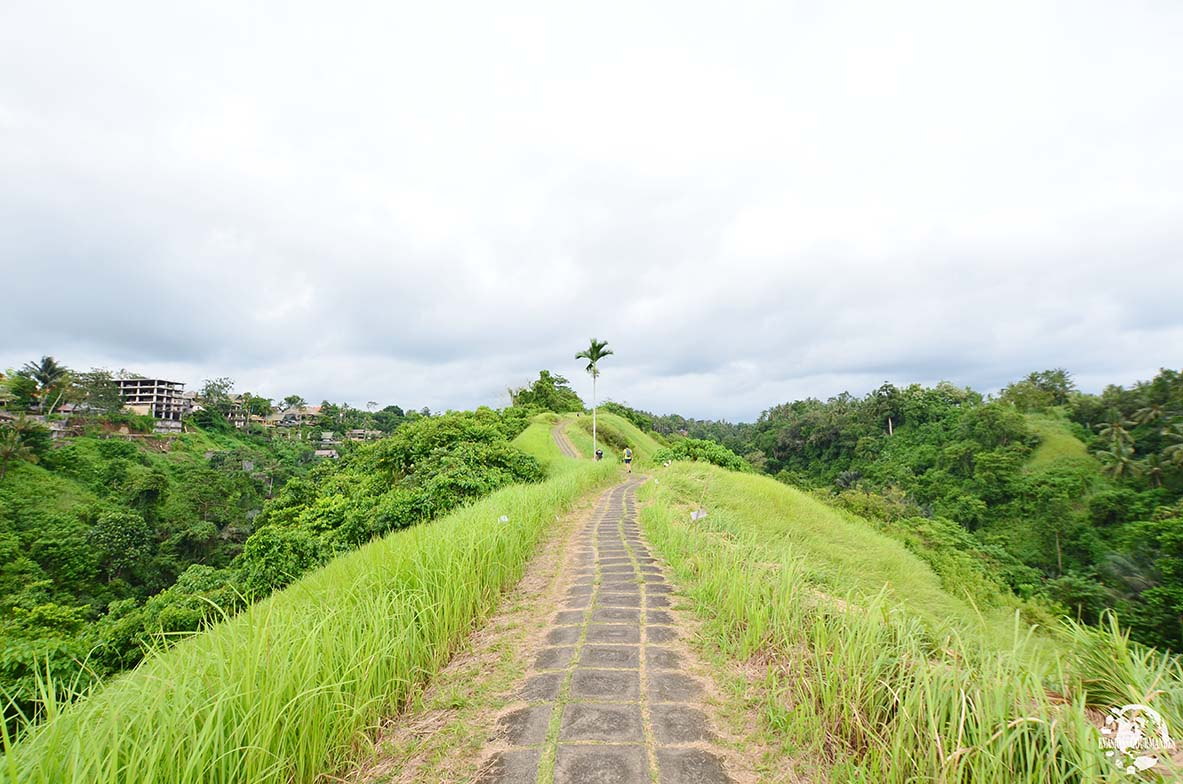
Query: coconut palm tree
{"x": 1151, "y": 413}
{"x": 1174, "y": 452}
{"x": 1151, "y": 468}
{"x": 1119, "y": 462}
{"x": 593, "y": 354}
{"x": 51, "y": 378}
{"x": 1116, "y": 430}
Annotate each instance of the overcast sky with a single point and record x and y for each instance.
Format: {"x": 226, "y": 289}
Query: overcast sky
{"x": 424, "y": 203}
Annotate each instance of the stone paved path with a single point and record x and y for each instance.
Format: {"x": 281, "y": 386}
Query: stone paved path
{"x": 606, "y": 701}
{"x": 562, "y": 442}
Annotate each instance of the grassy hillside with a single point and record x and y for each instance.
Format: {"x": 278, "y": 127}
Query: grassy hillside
{"x": 1056, "y": 442}
{"x": 837, "y": 555}
{"x": 536, "y": 440}
{"x": 95, "y": 535}
{"x": 279, "y": 693}
{"x": 614, "y": 433}
{"x": 866, "y": 661}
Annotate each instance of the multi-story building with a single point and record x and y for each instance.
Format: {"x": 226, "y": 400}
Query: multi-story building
{"x": 302, "y": 416}
{"x": 238, "y": 415}
{"x": 154, "y": 397}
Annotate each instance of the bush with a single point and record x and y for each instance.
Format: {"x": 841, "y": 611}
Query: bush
{"x": 427, "y": 468}
{"x": 699, "y": 450}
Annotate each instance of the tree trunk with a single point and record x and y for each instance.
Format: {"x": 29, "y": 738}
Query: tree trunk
{"x": 1059, "y": 556}
{"x": 890, "y": 431}
{"x": 55, "y": 403}
{"x": 593, "y": 416}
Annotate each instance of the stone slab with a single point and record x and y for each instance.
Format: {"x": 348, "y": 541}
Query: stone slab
{"x": 620, "y": 600}
{"x": 601, "y": 765}
{"x": 554, "y": 658}
{"x": 589, "y": 684}
{"x": 626, "y": 656}
{"x": 660, "y": 634}
{"x": 564, "y": 635}
{"x": 616, "y": 615}
{"x": 673, "y": 687}
{"x": 567, "y": 617}
{"x": 674, "y": 724}
{"x": 616, "y": 723}
{"x": 599, "y": 634}
{"x": 542, "y": 687}
{"x": 526, "y": 726}
{"x": 663, "y": 659}
{"x": 614, "y": 585}
{"x": 519, "y": 766}
{"x": 689, "y": 766}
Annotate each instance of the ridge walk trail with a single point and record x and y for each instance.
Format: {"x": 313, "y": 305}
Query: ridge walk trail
{"x": 607, "y": 700}
{"x": 562, "y": 442}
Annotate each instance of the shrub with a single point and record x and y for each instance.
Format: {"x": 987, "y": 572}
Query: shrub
{"x": 699, "y": 450}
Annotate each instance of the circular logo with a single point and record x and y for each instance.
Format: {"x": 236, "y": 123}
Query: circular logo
{"x": 1132, "y": 734}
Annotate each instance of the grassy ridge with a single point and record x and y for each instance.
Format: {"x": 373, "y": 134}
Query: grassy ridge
{"x": 869, "y": 663}
{"x": 280, "y": 692}
{"x": 536, "y": 440}
{"x": 614, "y": 433}
{"x": 1056, "y": 441}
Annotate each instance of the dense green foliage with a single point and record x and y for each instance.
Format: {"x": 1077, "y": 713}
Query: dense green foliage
{"x": 1071, "y": 498}
{"x": 105, "y": 543}
{"x": 701, "y": 450}
{"x": 281, "y": 692}
{"x": 109, "y": 544}
{"x": 548, "y": 393}
{"x": 427, "y": 468}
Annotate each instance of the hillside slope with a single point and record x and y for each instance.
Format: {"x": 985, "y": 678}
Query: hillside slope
{"x": 840, "y": 557}
{"x": 96, "y": 537}
{"x": 1057, "y": 442}
{"x": 279, "y": 692}
{"x": 614, "y": 433}
{"x": 855, "y": 653}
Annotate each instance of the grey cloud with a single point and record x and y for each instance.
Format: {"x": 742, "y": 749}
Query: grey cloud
{"x": 749, "y": 205}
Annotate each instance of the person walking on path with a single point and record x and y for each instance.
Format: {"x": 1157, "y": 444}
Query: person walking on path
{"x": 628, "y": 458}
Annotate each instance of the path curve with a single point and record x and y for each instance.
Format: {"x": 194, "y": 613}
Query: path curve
{"x": 562, "y": 442}
{"x": 608, "y": 699}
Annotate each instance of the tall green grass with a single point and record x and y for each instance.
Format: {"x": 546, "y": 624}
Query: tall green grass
{"x": 538, "y": 441}
{"x": 282, "y": 692}
{"x": 869, "y": 663}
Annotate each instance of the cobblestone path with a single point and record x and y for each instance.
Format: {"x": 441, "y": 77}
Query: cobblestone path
{"x": 606, "y": 701}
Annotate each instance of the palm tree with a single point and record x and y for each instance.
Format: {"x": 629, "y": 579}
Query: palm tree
{"x": 1174, "y": 452}
{"x": 593, "y": 354}
{"x": 1116, "y": 429}
{"x": 1119, "y": 462}
{"x": 50, "y": 377}
{"x": 13, "y": 448}
{"x": 1151, "y": 467}
{"x": 1151, "y": 413}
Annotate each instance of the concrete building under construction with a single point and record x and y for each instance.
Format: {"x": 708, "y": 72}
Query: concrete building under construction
{"x": 157, "y": 398}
